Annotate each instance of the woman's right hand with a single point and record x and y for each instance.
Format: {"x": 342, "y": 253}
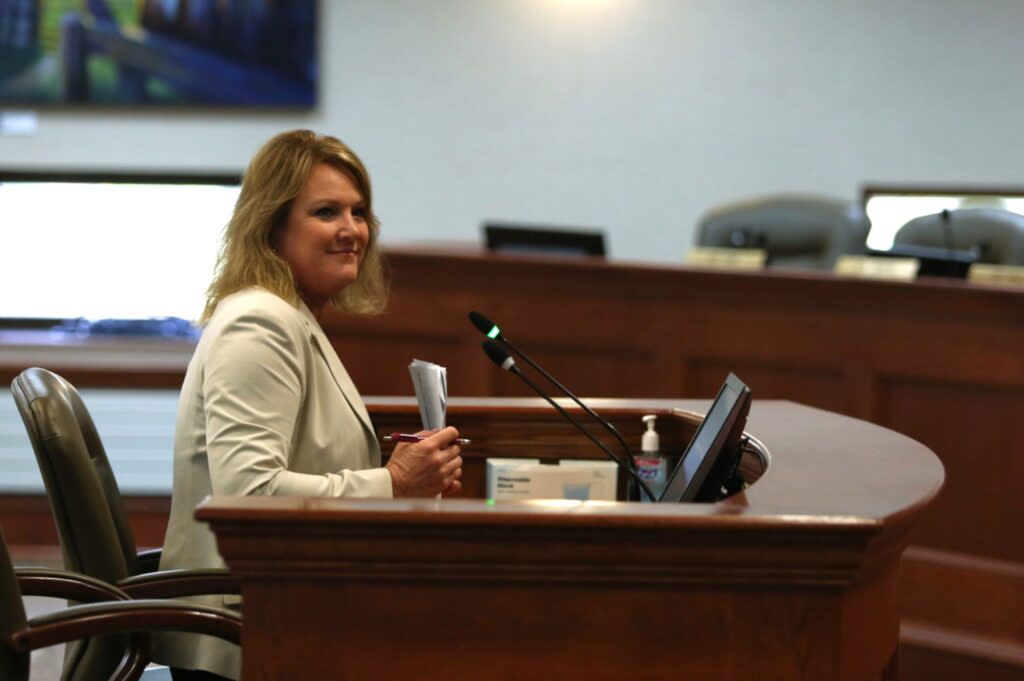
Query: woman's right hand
{"x": 427, "y": 468}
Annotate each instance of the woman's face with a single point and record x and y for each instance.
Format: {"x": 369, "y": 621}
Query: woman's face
{"x": 325, "y": 235}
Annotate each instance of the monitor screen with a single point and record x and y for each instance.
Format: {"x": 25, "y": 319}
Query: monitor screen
{"x": 543, "y": 240}
{"x": 711, "y": 457}
{"x": 110, "y": 246}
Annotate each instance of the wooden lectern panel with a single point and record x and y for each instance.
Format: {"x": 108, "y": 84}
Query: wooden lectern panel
{"x": 937, "y": 360}
{"x": 794, "y": 578}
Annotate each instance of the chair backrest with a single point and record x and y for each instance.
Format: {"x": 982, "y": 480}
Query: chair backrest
{"x": 94, "y": 534}
{"x": 795, "y": 231}
{"x": 13, "y": 664}
{"x": 996, "y": 234}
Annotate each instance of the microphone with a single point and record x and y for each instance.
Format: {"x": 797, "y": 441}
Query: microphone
{"x": 503, "y": 359}
{"x": 485, "y": 326}
{"x": 947, "y": 229}
{"x": 492, "y": 331}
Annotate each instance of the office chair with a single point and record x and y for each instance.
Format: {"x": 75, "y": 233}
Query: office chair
{"x": 802, "y": 232}
{"x": 107, "y": 611}
{"x": 995, "y": 235}
{"x": 95, "y": 536}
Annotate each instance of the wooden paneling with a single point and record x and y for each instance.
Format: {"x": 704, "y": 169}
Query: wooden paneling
{"x": 982, "y": 597}
{"x": 938, "y": 653}
{"x": 28, "y": 521}
{"x": 379, "y": 364}
{"x": 941, "y": 361}
{"x": 583, "y": 369}
{"x": 746, "y": 588}
{"x": 820, "y": 386}
{"x": 971, "y": 428}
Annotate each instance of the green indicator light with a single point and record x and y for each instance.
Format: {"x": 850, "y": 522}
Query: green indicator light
{"x": 494, "y": 332}
{"x": 490, "y": 502}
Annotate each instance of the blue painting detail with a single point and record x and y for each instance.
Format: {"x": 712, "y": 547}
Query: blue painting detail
{"x": 224, "y": 53}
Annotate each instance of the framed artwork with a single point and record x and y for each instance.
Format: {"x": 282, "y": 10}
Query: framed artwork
{"x": 187, "y": 53}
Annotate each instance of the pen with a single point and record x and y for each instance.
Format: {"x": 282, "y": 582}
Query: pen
{"x": 409, "y": 437}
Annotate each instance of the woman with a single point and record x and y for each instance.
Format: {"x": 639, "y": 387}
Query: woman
{"x": 267, "y": 407}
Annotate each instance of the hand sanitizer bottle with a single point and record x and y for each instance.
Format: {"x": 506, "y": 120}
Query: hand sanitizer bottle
{"x": 651, "y": 466}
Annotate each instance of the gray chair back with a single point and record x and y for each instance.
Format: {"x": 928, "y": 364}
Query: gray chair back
{"x": 996, "y": 235}
{"x": 804, "y": 232}
{"x": 84, "y": 498}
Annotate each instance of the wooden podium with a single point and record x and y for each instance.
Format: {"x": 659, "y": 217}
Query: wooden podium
{"x": 793, "y": 578}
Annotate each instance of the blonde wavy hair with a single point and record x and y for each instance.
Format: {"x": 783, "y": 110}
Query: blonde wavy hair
{"x": 275, "y": 176}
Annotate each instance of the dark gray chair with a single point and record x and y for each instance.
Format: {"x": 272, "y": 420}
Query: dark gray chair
{"x": 994, "y": 234}
{"x": 803, "y": 232}
{"x": 95, "y": 536}
{"x": 107, "y": 611}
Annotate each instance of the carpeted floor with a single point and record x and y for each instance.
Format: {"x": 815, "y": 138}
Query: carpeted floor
{"x": 46, "y": 663}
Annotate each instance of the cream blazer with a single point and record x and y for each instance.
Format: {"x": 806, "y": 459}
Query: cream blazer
{"x": 266, "y": 409}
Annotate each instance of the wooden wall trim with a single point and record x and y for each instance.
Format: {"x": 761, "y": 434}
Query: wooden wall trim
{"x": 962, "y": 643}
{"x": 981, "y": 598}
{"x": 27, "y": 520}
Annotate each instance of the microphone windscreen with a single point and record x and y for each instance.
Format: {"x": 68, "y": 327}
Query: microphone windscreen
{"x": 484, "y": 325}
{"x": 496, "y": 353}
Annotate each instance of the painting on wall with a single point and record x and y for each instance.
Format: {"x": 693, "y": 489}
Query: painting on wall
{"x": 188, "y": 53}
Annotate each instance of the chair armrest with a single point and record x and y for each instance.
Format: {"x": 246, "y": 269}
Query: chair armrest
{"x": 84, "y": 621}
{"x": 135, "y": 660}
{"x": 148, "y": 560}
{"x": 51, "y": 583}
{"x": 176, "y": 583}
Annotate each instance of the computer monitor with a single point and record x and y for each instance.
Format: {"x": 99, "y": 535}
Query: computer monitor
{"x": 545, "y": 240}
{"x": 108, "y": 245}
{"x": 713, "y": 453}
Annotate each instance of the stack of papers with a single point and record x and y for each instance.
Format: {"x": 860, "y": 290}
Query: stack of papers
{"x": 430, "y": 382}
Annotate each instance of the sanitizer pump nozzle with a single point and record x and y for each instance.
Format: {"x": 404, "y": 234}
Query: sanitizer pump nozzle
{"x": 651, "y": 466}
{"x": 650, "y": 443}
